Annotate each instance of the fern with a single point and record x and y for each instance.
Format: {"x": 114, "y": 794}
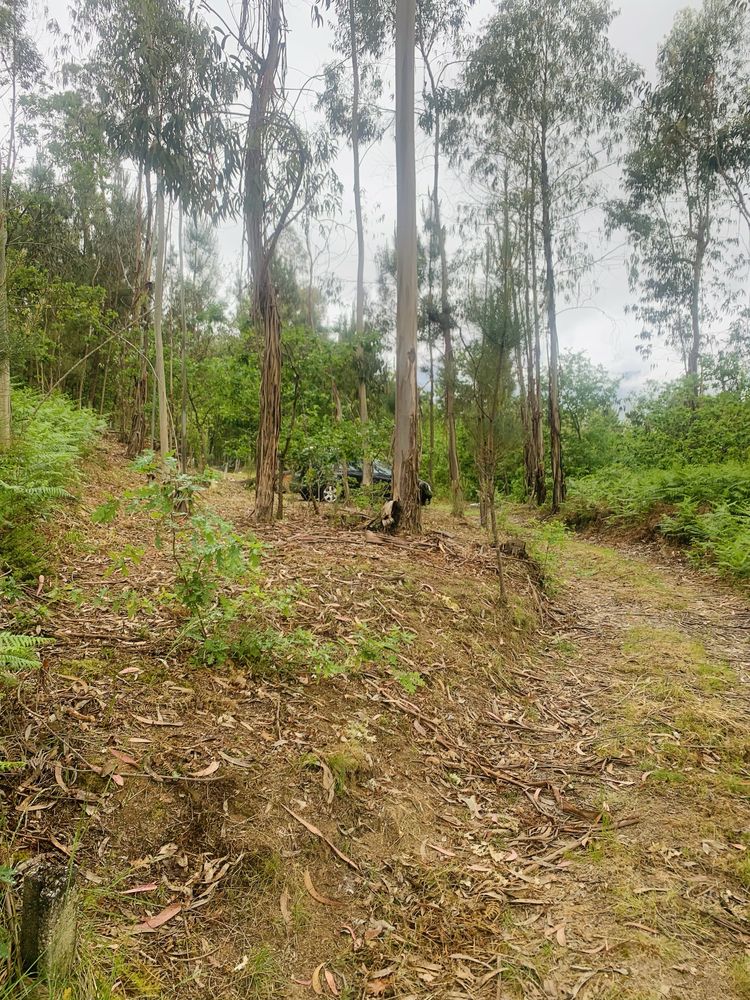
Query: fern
{"x": 36, "y": 492}
{"x": 19, "y": 652}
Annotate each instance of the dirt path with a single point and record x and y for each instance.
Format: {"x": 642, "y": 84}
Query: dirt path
{"x": 393, "y": 787}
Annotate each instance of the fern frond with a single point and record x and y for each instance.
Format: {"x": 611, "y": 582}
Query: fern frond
{"x": 19, "y": 652}
{"x": 10, "y": 641}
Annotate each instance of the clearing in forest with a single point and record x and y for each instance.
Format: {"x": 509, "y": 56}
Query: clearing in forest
{"x": 399, "y": 789}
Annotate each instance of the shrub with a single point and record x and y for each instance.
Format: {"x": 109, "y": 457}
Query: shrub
{"x": 704, "y": 507}
{"x": 50, "y": 436}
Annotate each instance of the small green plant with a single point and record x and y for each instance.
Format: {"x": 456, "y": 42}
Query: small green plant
{"x": 20, "y": 652}
{"x": 205, "y": 551}
{"x": 410, "y": 680}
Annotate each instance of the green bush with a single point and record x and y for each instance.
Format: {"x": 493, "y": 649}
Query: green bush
{"x": 37, "y": 472}
{"x": 706, "y": 507}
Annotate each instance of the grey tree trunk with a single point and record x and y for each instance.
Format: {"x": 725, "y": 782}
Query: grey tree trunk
{"x": 360, "y": 306}
{"x": 555, "y": 430}
{"x": 406, "y": 437}
{"x": 5, "y": 414}
{"x": 264, "y": 300}
{"x": 183, "y": 349}
{"x": 449, "y": 362}
{"x": 695, "y": 304}
{"x": 537, "y": 424}
{"x": 161, "y": 382}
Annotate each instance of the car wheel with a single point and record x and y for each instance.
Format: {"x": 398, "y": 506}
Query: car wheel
{"x": 329, "y": 494}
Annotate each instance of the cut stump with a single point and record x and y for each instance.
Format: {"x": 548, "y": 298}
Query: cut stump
{"x": 49, "y": 926}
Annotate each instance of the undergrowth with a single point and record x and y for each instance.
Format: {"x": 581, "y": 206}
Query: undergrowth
{"x": 50, "y": 436}
{"x": 705, "y": 507}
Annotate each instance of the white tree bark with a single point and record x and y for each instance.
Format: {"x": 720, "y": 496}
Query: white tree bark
{"x": 406, "y": 445}
{"x": 161, "y": 382}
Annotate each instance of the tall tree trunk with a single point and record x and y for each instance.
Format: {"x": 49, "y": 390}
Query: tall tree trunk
{"x": 406, "y": 436}
{"x": 344, "y": 464}
{"x": 555, "y": 430}
{"x": 269, "y": 427}
{"x": 431, "y": 461}
{"x": 261, "y": 249}
{"x": 141, "y": 298}
{"x": 360, "y": 306}
{"x": 5, "y": 414}
{"x": 310, "y": 275}
{"x": 183, "y": 348}
{"x": 446, "y": 323}
{"x": 161, "y": 382}
{"x": 537, "y": 424}
{"x": 695, "y": 306}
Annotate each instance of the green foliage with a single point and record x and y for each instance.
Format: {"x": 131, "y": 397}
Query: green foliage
{"x": 51, "y": 435}
{"x": 705, "y": 507}
{"x": 206, "y": 552}
{"x": 668, "y": 425}
{"x": 19, "y": 652}
{"x": 591, "y": 429}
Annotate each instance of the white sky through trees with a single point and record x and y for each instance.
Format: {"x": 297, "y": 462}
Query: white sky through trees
{"x": 595, "y": 322}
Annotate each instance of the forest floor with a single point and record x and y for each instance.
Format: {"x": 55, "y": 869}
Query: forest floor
{"x": 561, "y": 810}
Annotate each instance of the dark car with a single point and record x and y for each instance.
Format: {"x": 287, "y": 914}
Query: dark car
{"x": 325, "y": 484}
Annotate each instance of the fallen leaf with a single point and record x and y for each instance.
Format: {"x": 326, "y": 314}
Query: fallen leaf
{"x": 316, "y": 983}
{"x": 150, "y": 924}
{"x": 59, "y": 777}
{"x": 284, "y": 907}
{"x": 146, "y": 887}
{"x": 329, "y": 782}
{"x": 237, "y": 761}
{"x": 318, "y": 833}
{"x": 377, "y": 987}
{"x": 331, "y": 983}
{"x": 212, "y": 768}
{"x": 157, "y": 722}
{"x": 125, "y": 758}
{"x": 316, "y": 895}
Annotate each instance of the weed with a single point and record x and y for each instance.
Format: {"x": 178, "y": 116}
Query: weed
{"x": 740, "y": 973}
{"x": 259, "y": 974}
{"x": 410, "y": 680}
{"x": 19, "y": 652}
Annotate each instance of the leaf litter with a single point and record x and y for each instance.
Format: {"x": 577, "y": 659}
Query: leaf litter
{"x": 500, "y": 841}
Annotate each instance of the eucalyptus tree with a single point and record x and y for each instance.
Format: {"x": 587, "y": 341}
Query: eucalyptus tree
{"x": 163, "y": 87}
{"x": 21, "y": 68}
{"x": 438, "y": 21}
{"x": 350, "y": 101}
{"x": 487, "y": 360}
{"x": 406, "y": 442}
{"x": 546, "y": 69}
{"x": 278, "y": 159}
{"x": 687, "y": 161}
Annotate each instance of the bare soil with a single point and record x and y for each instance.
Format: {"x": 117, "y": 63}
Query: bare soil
{"x": 562, "y": 810}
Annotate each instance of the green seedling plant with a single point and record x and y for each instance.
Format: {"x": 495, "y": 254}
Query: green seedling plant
{"x": 204, "y": 550}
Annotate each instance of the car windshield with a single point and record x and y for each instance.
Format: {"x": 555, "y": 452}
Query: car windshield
{"x": 382, "y": 470}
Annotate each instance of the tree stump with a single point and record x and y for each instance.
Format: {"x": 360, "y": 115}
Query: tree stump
{"x": 49, "y": 927}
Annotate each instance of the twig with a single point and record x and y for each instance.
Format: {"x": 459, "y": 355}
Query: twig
{"x": 318, "y": 833}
